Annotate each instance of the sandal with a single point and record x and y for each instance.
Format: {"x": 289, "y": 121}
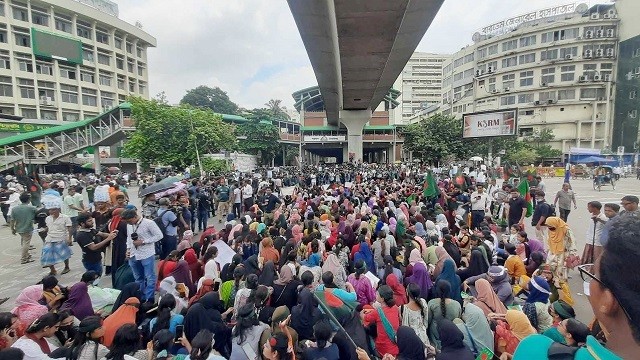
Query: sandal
{"x": 66, "y": 270}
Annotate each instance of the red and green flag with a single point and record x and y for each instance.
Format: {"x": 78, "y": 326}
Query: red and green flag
{"x": 430, "y": 188}
{"x": 411, "y": 198}
{"x": 485, "y": 354}
{"x": 460, "y": 180}
{"x": 523, "y": 189}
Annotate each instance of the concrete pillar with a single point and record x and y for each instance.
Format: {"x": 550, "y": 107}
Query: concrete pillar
{"x": 354, "y": 121}
{"x": 96, "y": 160}
{"x": 345, "y": 153}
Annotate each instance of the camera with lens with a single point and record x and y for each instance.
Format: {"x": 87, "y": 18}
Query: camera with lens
{"x": 177, "y": 209}
{"x": 134, "y": 236}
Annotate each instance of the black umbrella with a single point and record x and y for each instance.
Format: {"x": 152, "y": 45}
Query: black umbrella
{"x": 154, "y": 188}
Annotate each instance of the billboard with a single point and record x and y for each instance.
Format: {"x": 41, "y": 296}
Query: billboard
{"x": 53, "y": 46}
{"x": 490, "y": 123}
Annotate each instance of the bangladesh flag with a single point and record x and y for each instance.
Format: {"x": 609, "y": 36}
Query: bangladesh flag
{"x": 411, "y": 198}
{"x": 523, "y": 189}
{"x": 460, "y": 180}
{"x": 430, "y": 188}
{"x": 485, "y": 354}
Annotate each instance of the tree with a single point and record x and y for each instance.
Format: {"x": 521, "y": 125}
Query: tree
{"x": 436, "y": 138}
{"x": 277, "y": 111}
{"x": 523, "y": 157}
{"x": 168, "y": 134}
{"x": 262, "y": 137}
{"x": 212, "y": 98}
{"x": 539, "y": 140}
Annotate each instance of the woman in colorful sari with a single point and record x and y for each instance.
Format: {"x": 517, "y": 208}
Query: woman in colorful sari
{"x": 511, "y": 329}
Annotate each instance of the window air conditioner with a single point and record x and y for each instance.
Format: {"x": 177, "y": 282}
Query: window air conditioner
{"x": 588, "y": 34}
{"x": 600, "y": 33}
{"x": 607, "y": 77}
{"x": 537, "y": 102}
{"x": 611, "y": 33}
{"x": 595, "y": 16}
{"x": 507, "y": 89}
{"x": 610, "y": 52}
{"x": 597, "y": 78}
{"x": 583, "y": 78}
{"x": 490, "y": 69}
{"x": 599, "y": 52}
{"x": 568, "y": 57}
{"x": 550, "y": 101}
{"x": 588, "y": 54}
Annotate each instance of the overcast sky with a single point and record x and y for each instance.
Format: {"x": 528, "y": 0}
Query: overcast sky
{"x": 252, "y": 49}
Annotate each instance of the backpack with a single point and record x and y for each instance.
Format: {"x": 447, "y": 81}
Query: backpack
{"x": 160, "y": 223}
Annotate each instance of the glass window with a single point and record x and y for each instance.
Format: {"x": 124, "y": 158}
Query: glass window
{"x": 20, "y": 13}
{"x": 48, "y": 115}
{"x": 482, "y": 53}
{"x": 6, "y": 86}
{"x": 63, "y": 25}
{"x": 508, "y": 81}
{"x": 25, "y": 65}
{"x": 89, "y": 100}
{"x": 68, "y": 73}
{"x": 117, "y": 42}
{"x": 510, "y": 45}
{"x": 526, "y": 78}
{"x": 527, "y": 58}
{"x": 528, "y": 41}
{"x": 84, "y": 32}
{"x": 591, "y": 93}
{"x": 547, "y": 95}
{"x": 493, "y": 49}
{"x": 102, "y": 37}
{"x": 87, "y": 77}
{"x": 548, "y": 75}
{"x": 29, "y": 113}
{"x": 104, "y": 59}
{"x": 87, "y": 55}
{"x": 44, "y": 68}
{"x": 40, "y": 18}
{"x": 69, "y": 93}
{"x": 549, "y": 54}
{"x": 525, "y": 98}
{"x": 566, "y": 94}
{"x": 23, "y": 40}
{"x": 70, "y": 116}
{"x": 573, "y": 51}
{"x": 120, "y": 63}
{"x": 129, "y": 48}
{"x": 508, "y": 100}
{"x": 105, "y": 79}
{"x": 5, "y": 62}
{"x": 27, "y": 92}
{"x": 509, "y": 62}
{"x": 567, "y": 73}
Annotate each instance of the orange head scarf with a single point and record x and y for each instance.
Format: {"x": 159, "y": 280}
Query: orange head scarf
{"x": 487, "y": 300}
{"x": 126, "y": 314}
{"x": 519, "y": 324}
{"x": 556, "y": 237}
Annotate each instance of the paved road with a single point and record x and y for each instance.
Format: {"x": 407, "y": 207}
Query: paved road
{"x": 14, "y": 276}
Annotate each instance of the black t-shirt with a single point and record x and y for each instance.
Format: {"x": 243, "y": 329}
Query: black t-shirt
{"x": 515, "y": 209}
{"x": 84, "y": 238}
{"x": 268, "y": 203}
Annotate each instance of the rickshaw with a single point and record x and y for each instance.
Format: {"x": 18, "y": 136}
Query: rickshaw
{"x": 603, "y": 175}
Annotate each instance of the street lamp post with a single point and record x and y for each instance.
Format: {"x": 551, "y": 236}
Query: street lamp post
{"x": 195, "y": 143}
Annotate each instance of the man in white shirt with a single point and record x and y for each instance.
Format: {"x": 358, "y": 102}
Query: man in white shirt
{"x": 247, "y": 195}
{"x": 142, "y": 234}
{"x": 237, "y": 200}
{"x": 594, "y": 232}
{"x": 479, "y": 204}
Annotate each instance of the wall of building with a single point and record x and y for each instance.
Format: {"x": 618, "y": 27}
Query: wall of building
{"x": 114, "y": 61}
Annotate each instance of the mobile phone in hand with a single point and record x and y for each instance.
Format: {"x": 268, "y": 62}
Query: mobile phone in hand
{"x": 179, "y": 333}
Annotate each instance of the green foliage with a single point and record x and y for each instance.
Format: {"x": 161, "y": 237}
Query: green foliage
{"x": 435, "y": 138}
{"x": 523, "y": 156}
{"x": 277, "y": 111}
{"x": 168, "y": 134}
{"x": 212, "y": 98}
{"x": 211, "y": 166}
{"x": 262, "y": 136}
{"x": 538, "y": 142}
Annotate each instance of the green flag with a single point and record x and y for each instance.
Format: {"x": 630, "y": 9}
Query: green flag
{"x": 411, "y": 198}
{"x": 485, "y": 354}
{"x": 523, "y": 189}
{"x": 430, "y": 189}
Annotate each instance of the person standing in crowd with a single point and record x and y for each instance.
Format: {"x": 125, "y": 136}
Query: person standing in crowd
{"x": 517, "y": 209}
{"x": 237, "y": 199}
{"x": 479, "y": 206}
{"x": 72, "y": 205}
{"x": 593, "y": 246}
{"x": 268, "y": 204}
{"x": 630, "y": 206}
{"x": 540, "y": 215}
{"x": 22, "y": 218}
{"x": 59, "y": 237}
{"x": 171, "y": 222}
{"x": 247, "y": 195}
{"x": 142, "y": 234}
{"x": 610, "y": 211}
{"x": 223, "y": 192}
{"x": 563, "y": 200}
{"x": 92, "y": 242}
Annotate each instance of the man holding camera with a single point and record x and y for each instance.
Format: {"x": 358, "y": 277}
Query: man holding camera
{"x": 171, "y": 219}
{"x": 479, "y": 205}
{"x": 142, "y": 234}
{"x": 92, "y": 242}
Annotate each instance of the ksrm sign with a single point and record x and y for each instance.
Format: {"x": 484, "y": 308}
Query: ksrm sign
{"x": 324, "y": 138}
{"x": 490, "y": 123}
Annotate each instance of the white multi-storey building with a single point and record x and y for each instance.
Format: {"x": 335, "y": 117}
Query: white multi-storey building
{"x": 420, "y": 85}
{"x": 556, "y": 66}
{"x": 67, "y": 60}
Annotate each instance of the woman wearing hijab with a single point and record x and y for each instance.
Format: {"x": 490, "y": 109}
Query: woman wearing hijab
{"x": 205, "y": 314}
{"x": 486, "y": 299}
{"x": 268, "y": 252}
{"x": 362, "y": 284}
{"x": 452, "y": 342}
{"x": 421, "y": 278}
{"x": 285, "y": 287}
{"x": 78, "y": 303}
{"x": 449, "y": 274}
{"x": 181, "y": 274}
{"x": 420, "y": 231}
{"x": 477, "y": 266}
{"x": 119, "y": 243}
{"x": 28, "y": 307}
{"x": 432, "y": 229}
{"x": 251, "y": 265}
{"x": 562, "y": 244}
{"x": 410, "y": 346}
{"x": 130, "y": 290}
{"x": 226, "y": 273}
{"x": 399, "y": 292}
{"x": 452, "y": 249}
{"x": 559, "y": 311}
{"x": 536, "y": 306}
{"x": 475, "y": 328}
{"x": 207, "y": 287}
{"x": 441, "y": 307}
{"x": 195, "y": 267}
{"x": 510, "y": 332}
{"x": 442, "y": 255}
{"x": 305, "y": 314}
{"x": 126, "y": 314}
{"x": 332, "y": 264}
{"x": 535, "y": 260}
{"x": 268, "y": 275}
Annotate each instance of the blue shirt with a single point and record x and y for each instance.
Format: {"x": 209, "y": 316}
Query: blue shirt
{"x": 176, "y": 320}
{"x": 167, "y": 220}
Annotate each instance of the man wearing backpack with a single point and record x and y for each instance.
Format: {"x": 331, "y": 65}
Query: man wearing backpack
{"x": 168, "y": 223}
{"x": 223, "y": 192}
{"x": 540, "y": 215}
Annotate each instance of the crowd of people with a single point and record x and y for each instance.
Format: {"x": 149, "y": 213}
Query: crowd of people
{"x": 355, "y": 262}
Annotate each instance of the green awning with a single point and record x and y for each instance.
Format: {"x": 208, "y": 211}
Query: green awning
{"x": 319, "y": 128}
{"x": 379, "y": 127}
